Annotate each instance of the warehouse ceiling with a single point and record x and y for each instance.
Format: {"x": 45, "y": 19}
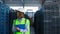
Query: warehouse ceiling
{"x": 21, "y": 2}
{"x": 26, "y": 2}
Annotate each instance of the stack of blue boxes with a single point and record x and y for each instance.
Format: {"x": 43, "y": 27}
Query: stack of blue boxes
{"x": 4, "y": 19}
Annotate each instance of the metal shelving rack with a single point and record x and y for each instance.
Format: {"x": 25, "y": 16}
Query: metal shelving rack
{"x": 4, "y": 18}
{"x": 51, "y": 18}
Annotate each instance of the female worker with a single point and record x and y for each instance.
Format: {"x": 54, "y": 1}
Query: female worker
{"x": 21, "y": 25}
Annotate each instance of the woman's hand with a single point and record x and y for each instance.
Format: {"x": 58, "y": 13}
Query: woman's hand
{"x": 18, "y": 29}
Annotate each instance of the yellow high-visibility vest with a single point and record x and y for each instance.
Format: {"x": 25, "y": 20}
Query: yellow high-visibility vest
{"x": 23, "y": 21}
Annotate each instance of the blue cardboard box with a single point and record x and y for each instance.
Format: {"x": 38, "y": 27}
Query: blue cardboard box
{"x": 21, "y": 26}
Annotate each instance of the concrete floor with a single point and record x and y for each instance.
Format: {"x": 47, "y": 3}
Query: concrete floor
{"x": 32, "y": 30}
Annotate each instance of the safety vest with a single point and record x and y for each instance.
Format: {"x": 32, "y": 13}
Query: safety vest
{"x": 23, "y": 21}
